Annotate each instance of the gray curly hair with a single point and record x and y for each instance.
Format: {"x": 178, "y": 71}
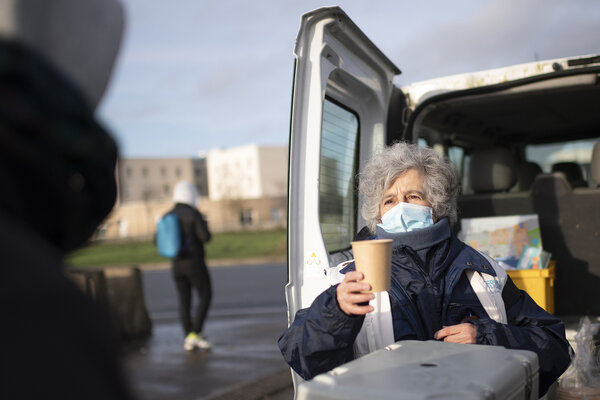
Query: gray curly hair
{"x": 439, "y": 180}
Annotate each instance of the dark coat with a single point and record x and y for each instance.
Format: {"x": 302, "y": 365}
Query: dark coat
{"x": 57, "y": 342}
{"x": 429, "y": 290}
{"x": 57, "y": 171}
{"x": 195, "y": 233}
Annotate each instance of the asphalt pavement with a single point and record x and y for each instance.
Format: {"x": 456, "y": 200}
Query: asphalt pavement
{"x": 247, "y": 316}
{"x": 239, "y": 366}
{"x": 244, "y": 362}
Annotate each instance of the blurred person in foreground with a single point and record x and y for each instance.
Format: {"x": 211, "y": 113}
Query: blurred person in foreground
{"x": 57, "y": 167}
{"x": 441, "y": 288}
{"x": 189, "y": 268}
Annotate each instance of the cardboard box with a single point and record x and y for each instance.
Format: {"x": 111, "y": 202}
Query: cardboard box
{"x": 502, "y": 238}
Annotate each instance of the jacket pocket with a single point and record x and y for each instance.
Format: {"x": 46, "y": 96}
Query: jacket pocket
{"x": 462, "y": 312}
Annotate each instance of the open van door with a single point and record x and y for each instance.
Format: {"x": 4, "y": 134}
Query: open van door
{"x": 342, "y": 90}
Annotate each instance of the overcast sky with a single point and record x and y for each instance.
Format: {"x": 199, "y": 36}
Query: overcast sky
{"x": 197, "y": 75}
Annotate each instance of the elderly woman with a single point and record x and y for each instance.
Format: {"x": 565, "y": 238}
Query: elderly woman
{"x": 410, "y": 197}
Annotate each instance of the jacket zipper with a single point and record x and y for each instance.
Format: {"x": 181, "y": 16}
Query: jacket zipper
{"x": 416, "y": 260}
{"x": 413, "y": 314}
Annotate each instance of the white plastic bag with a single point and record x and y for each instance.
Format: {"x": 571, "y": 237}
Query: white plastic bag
{"x": 582, "y": 379}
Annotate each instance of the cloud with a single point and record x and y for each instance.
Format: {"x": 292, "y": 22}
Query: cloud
{"x": 210, "y": 74}
{"x": 504, "y": 32}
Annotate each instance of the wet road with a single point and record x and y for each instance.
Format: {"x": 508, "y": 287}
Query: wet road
{"x": 246, "y": 318}
{"x": 245, "y": 288}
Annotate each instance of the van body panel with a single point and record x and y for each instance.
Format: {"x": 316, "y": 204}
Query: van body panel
{"x": 337, "y": 62}
{"x": 518, "y": 107}
{"x": 417, "y": 92}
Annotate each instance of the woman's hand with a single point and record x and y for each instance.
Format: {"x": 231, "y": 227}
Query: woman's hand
{"x": 349, "y": 294}
{"x": 461, "y": 333}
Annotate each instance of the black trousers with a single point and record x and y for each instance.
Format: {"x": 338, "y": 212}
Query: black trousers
{"x": 192, "y": 277}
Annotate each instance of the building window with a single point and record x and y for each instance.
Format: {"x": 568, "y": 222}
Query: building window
{"x": 276, "y": 214}
{"x": 128, "y": 172}
{"x": 337, "y": 176}
{"x": 145, "y": 172}
{"x": 163, "y": 171}
{"x": 246, "y": 216}
{"x": 166, "y": 189}
{"x": 126, "y": 192}
{"x": 146, "y": 192}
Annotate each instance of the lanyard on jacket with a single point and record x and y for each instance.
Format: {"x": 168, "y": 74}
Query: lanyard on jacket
{"x": 377, "y": 330}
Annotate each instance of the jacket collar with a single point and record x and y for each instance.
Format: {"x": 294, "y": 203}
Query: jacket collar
{"x": 419, "y": 239}
{"x": 433, "y": 246}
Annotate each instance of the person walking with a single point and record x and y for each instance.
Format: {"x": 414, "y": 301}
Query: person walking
{"x": 189, "y": 268}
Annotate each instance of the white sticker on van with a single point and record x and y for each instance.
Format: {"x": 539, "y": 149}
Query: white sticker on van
{"x": 313, "y": 260}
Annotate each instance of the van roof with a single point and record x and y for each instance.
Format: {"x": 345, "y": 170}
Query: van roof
{"x": 419, "y": 91}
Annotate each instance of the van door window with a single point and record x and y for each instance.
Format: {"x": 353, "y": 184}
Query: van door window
{"x": 550, "y": 156}
{"x": 460, "y": 161}
{"x": 337, "y": 176}
{"x": 456, "y": 156}
{"x": 422, "y": 142}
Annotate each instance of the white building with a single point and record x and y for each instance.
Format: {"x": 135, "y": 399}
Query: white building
{"x": 247, "y": 186}
{"x": 241, "y": 188}
{"x": 247, "y": 172}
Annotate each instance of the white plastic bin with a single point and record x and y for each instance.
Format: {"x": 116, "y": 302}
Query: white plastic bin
{"x": 430, "y": 370}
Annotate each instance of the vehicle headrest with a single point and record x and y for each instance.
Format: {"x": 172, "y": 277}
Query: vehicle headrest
{"x": 526, "y": 173}
{"x": 572, "y": 171}
{"x": 595, "y": 164}
{"x": 551, "y": 185}
{"x": 492, "y": 170}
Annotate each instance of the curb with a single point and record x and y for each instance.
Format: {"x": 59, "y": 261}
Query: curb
{"x": 257, "y": 389}
{"x": 233, "y": 262}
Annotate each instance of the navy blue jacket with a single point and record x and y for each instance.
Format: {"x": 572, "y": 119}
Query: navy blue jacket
{"x": 429, "y": 290}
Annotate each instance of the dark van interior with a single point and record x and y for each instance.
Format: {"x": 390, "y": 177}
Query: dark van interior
{"x": 528, "y": 147}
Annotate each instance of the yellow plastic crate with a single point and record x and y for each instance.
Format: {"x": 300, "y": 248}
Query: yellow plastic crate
{"x": 538, "y": 283}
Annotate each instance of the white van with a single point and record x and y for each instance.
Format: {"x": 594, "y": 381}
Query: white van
{"x": 345, "y": 106}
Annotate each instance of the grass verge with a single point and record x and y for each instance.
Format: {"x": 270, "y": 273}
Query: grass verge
{"x": 233, "y": 245}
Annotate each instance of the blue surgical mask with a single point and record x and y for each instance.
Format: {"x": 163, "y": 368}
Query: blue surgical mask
{"x": 406, "y": 217}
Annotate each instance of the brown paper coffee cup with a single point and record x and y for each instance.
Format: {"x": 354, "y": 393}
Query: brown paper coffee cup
{"x": 374, "y": 259}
